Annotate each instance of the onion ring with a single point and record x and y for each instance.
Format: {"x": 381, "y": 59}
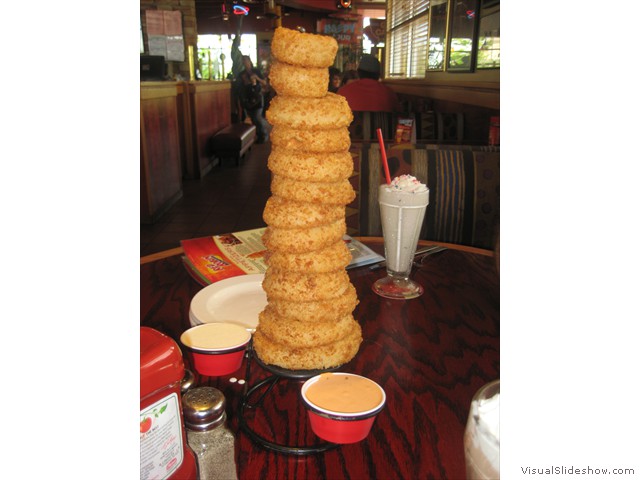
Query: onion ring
{"x": 334, "y": 257}
{"x": 331, "y": 193}
{"x": 317, "y": 311}
{"x": 303, "y": 334}
{"x": 326, "y": 113}
{"x": 299, "y": 240}
{"x": 311, "y": 358}
{"x": 314, "y": 167}
{"x": 304, "y": 287}
{"x": 319, "y": 141}
{"x": 280, "y": 212}
{"x": 296, "y": 81}
{"x": 304, "y": 49}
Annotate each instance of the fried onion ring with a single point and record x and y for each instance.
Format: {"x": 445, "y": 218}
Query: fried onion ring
{"x": 304, "y": 49}
{"x": 284, "y": 213}
{"x": 298, "y": 240}
{"x": 317, "y": 311}
{"x": 328, "y": 259}
{"x": 331, "y": 193}
{"x": 295, "y": 81}
{"x": 303, "y": 334}
{"x": 296, "y": 358}
{"x": 302, "y": 140}
{"x": 326, "y": 113}
{"x": 314, "y": 167}
{"x": 304, "y": 287}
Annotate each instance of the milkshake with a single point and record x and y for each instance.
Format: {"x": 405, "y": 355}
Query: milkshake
{"x": 403, "y": 204}
{"x": 482, "y": 434}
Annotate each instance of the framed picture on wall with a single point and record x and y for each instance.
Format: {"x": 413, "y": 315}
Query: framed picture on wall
{"x": 464, "y": 21}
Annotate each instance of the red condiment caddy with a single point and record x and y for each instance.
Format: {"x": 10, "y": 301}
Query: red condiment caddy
{"x": 164, "y": 452}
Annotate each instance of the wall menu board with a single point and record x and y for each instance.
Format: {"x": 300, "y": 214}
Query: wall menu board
{"x": 164, "y": 33}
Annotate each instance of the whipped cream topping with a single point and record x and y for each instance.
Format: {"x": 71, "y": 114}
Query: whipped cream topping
{"x": 407, "y": 184}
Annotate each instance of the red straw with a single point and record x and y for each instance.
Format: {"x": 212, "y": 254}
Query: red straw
{"x": 385, "y": 164}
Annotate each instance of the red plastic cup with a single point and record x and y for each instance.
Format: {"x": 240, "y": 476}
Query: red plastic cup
{"x": 340, "y": 427}
{"x": 216, "y": 348}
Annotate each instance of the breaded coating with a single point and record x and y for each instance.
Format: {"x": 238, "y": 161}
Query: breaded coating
{"x": 304, "y": 49}
{"x": 318, "y": 141}
{"x": 326, "y": 113}
{"x": 295, "y": 81}
{"x": 280, "y": 212}
{"x": 334, "y": 257}
{"x": 331, "y": 193}
{"x": 309, "y": 358}
{"x": 319, "y": 311}
{"x": 298, "y": 240}
{"x": 293, "y": 333}
{"x": 304, "y": 287}
{"x": 310, "y": 166}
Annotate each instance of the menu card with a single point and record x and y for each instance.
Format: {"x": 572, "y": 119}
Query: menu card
{"x": 211, "y": 259}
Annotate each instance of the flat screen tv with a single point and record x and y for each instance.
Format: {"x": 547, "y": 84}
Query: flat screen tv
{"x": 152, "y": 67}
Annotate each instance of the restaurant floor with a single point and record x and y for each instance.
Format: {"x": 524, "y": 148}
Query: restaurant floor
{"x": 229, "y": 198}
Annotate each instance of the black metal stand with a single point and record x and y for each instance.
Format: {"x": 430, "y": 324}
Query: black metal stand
{"x": 270, "y": 382}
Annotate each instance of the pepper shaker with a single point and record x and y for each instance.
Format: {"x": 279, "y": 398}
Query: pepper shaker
{"x": 208, "y": 435}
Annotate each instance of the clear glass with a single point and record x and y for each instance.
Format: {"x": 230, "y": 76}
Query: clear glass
{"x": 481, "y": 435}
{"x": 401, "y": 214}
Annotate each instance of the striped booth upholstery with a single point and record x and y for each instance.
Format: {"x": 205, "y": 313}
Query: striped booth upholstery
{"x": 464, "y": 184}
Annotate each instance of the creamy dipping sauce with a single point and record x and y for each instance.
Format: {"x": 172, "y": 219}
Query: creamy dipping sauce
{"x": 344, "y": 393}
{"x": 215, "y": 336}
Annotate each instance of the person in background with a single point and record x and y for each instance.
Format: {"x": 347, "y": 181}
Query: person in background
{"x": 335, "y": 79}
{"x": 252, "y": 83}
{"x": 348, "y": 76}
{"x": 234, "y": 76}
{"x": 368, "y": 94}
{"x": 268, "y": 92}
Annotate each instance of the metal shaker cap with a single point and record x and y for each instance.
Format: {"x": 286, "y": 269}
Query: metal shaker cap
{"x": 203, "y": 408}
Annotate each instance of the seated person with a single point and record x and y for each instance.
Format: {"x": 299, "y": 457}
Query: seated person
{"x": 348, "y": 77}
{"x": 335, "y": 79}
{"x": 368, "y": 94}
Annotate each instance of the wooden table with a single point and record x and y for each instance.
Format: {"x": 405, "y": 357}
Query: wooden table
{"x": 430, "y": 354}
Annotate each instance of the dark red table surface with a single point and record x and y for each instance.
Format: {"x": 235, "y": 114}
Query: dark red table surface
{"x": 430, "y": 354}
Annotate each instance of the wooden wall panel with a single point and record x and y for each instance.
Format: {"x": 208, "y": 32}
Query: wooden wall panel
{"x": 160, "y": 161}
{"x": 211, "y": 112}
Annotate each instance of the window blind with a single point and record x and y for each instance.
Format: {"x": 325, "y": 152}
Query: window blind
{"x": 408, "y": 38}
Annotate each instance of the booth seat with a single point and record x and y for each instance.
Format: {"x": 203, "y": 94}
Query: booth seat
{"x": 439, "y": 127}
{"x": 233, "y": 141}
{"x": 464, "y": 184}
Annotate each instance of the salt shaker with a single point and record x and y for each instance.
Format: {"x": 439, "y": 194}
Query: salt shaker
{"x": 208, "y": 435}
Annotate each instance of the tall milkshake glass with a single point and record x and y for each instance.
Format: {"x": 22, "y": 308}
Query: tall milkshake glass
{"x": 403, "y": 204}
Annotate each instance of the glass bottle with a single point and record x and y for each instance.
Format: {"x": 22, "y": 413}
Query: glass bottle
{"x": 482, "y": 434}
{"x": 208, "y": 435}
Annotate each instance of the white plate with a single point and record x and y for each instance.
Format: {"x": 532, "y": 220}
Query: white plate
{"x": 235, "y": 300}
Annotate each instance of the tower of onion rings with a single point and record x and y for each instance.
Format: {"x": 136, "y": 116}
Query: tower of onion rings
{"x": 308, "y": 322}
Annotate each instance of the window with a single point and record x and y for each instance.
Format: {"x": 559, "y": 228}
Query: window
{"x": 214, "y": 55}
{"x": 489, "y": 36}
{"x": 408, "y": 27}
{"x": 440, "y": 35}
{"x": 437, "y": 34}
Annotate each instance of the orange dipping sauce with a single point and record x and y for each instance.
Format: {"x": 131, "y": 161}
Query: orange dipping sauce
{"x": 344, "y": 393}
